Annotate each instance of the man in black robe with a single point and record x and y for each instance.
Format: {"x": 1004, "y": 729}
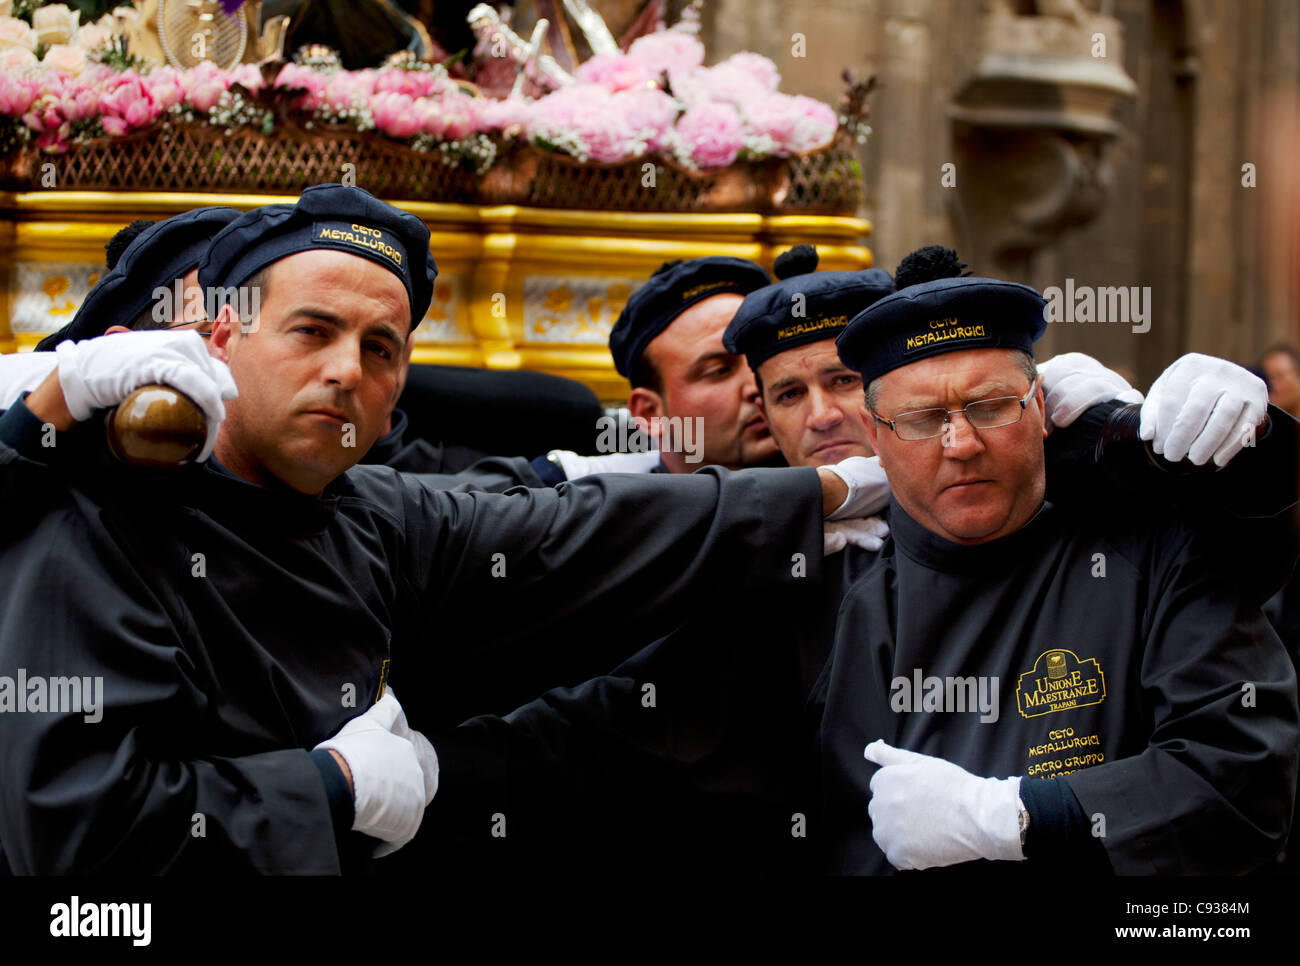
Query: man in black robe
{"x": 1109, "y": 662}
{"x": 702, "y": 748}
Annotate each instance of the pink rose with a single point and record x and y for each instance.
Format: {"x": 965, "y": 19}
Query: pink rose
{"x": 16, "y": 95}
{"x": 165, "y": 87}
{"x": 497, "y": 115}
{"x": 795, "y": 124}
{"x": 616, "y": 72}
{"x": 247, "y": 75}
{"x": 713, "y": 134}
{"x": 126, "y": 104}
{"x": 413, "y": 83}
{"x": 460, "y": 119}
{"x": 649, "y": 112}
{"x": 565, "y": 108}
{"x": 43, "y": 114}
{"x": 762, "y": 70}
{"x": 729, "y": 83}
{"x": 79, "y": 105}
{"x": 346, "y": 89}
{"x": 669, "y": 50}
{"x": 52, "y": 129}
{"x": 430, "y": 117}
{"x": 395, "y": 114}
{"x": 203, "y": 84}
{"x": 312, "y": 81}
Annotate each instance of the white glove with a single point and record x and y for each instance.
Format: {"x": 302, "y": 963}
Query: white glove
{"x": 389, "y": 786}
{"x": 927, "y": 812}
{"x": 576, "y": 467}
{"x": 1202, "y": 407}
{"x": 868, "y": 488}
{"x": 98, "y": 373}
{"x": 866, "y": 532}
{"x": 1073, "y": 382}
{"x": 423, "y": 751}
{"x": 22, "y": 372}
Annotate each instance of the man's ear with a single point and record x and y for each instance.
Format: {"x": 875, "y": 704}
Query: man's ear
{"x": 224, "y": 329}
{"x": 115, "y": 329}
{"x": 1042, "y": 408}
{"x": 646, "y": 406}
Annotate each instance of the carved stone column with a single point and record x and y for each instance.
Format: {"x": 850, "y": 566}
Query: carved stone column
{"x": 1032, "y": 127}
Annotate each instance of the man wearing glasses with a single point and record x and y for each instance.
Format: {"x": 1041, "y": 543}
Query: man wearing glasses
{"x": 1108, "y": 662}
{"x": 702, "y": 748}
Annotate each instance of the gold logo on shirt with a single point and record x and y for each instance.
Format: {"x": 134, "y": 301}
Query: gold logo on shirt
{"x": 1058, "y": 681}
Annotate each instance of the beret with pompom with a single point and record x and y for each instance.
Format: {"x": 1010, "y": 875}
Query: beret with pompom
{"x": 939, "y": 309}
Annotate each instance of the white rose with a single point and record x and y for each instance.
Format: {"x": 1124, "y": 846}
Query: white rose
{"x": 55, "y": 23}
{"x": 65, "y": 59}
{"x": 17, "y": 60}
{"x": 124, "y": 15}
{"x": 16, "y": 33}
{"x": 91, "y": 36}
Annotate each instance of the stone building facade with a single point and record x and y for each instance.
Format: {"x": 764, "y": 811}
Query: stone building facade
{"x": 1059, "y": 177}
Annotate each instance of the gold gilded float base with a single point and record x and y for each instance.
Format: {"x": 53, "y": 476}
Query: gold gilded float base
{"x": 518, "y": 287}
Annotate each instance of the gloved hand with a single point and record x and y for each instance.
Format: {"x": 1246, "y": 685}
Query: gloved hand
{"x": 1073, "y": 382}
{"x": 389, "y": 787}
{"x": 98, "y": 373}
{"x": 928, "y": 812}
{"x": 1202, "y": 407}
{"x": 423, "y": 751}
{"x": 868, "y": 488}
{"x": 22, "y": 372}
{"x": 576, "y": 467}
{"x": 866, "y": 532}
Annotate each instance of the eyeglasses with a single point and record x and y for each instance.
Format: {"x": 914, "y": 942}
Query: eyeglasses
{"x": 178, "y": 325}
{"x": 981, "y": 414}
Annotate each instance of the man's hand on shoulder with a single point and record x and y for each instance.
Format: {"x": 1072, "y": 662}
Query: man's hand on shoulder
{"x": 1074, "y": 382}
{"x": 1203, "y": 408}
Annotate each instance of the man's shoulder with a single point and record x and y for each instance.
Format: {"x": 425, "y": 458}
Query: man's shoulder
{"x": 1145, "y": 537}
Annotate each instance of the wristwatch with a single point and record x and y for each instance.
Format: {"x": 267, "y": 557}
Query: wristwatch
{"x": 1023, "y": 821}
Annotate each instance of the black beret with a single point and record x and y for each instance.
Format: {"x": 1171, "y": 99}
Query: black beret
{"x": 774, "y": 319}
{"x": 334, "y": 216}
{"x": 672, "y": 290}
{"x": 156, "y": 258}
{"x": 943, "y": 315}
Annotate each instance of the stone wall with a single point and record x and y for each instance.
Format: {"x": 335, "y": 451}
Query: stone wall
{"x": 1215, "y": 90}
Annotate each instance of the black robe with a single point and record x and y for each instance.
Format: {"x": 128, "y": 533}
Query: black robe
{"x": 1126, "y": 662}
{"x": 234, "y": 627}
{"x": 723, "y": 773}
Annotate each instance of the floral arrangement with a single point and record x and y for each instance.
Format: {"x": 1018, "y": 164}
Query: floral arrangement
{"x": 658, "y": 97}
{"x": 51, "y": 36}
